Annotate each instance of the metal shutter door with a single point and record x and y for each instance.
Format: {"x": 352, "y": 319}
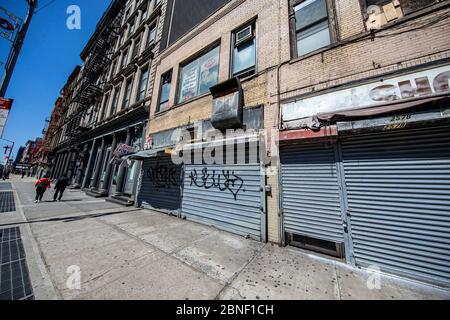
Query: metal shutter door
{"x": 311, "y": 200}
{"x": 398, "y": 189}
{"x": 161, "y": 185}
{"x": 228, "y": 197}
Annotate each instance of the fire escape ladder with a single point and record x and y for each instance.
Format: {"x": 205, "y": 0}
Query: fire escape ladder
{"x": 90, "y": 88}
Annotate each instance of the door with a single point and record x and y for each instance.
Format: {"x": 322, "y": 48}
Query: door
{"x": 105, "y": 164}
{"x": 130, "y": 179}
{"x": 114, "y": 175}
{"x": 97, "y": 159}
{"x": 161, "y": 185}
{"x": 228, "y": 197}
{"x": 398, "y": 190}
{"x": 311, "y": 197}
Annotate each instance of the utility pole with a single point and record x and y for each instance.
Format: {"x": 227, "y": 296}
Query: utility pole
{"x": 17, "y": 46}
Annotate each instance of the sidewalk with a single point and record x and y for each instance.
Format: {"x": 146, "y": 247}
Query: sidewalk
{"x": 129, "y": 253}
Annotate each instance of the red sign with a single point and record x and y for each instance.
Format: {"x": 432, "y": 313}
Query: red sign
{"x": 5, "y": 104}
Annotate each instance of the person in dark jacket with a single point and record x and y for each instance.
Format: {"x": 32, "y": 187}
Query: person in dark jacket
{"x": 41, "y": 186}
{"x": 60, "y": 186}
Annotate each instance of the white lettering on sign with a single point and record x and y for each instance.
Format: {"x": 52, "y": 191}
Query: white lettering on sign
{"x": 418, "y": 84}
{"x": 123, "y": 150}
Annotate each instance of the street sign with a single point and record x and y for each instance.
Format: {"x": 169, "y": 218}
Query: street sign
{"x": 5, "y": 107}
{"x": 9, "y": 24}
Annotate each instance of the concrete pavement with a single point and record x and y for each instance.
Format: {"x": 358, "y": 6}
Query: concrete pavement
{"x": 129, "y": 253}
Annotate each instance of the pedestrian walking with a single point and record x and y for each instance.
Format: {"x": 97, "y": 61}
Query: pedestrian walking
{"x": 60, "y": 186}
{"x": 41, "y": 186}
{"x": 23, "y": 173}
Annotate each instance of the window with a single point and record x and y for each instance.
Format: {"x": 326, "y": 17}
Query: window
{"x": 311, "y": 26}
{"x": 199, "y": 75}
{"x": 115, "y": 101}
{"x": 125, "y": 58}
{"x": 142, "y": 85}
{"x": 137, "y": 47}
{"x": 151, "y": 35}
{"x": 166, "y": 84}
{"x": 122, "y": 38}
{"x": 127, "y": 14}
{"x": 244, "y": 51}
{"x": 113, "y": 68}
{"x": 144, "y": 14}
{"x": 105, "y": 106}
{"x": 127, "y": 95}
{"x": 132, "y": 27}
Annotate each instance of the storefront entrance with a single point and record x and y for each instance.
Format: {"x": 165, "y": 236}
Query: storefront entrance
{"x": 384, "y": 197}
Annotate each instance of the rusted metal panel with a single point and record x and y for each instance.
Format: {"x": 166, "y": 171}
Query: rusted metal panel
{"x": 304, "y": 134}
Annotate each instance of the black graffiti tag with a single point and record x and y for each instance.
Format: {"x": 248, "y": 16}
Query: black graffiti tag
{"x": 224, "y": 181}
{"x": 162, "y": 177}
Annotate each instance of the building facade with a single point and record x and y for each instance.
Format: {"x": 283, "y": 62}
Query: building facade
{"x": 364, "y": 144}
{"x": 108, "y": 107}
{"x": 314, "y": 123}
{"x": 354, "y": 92}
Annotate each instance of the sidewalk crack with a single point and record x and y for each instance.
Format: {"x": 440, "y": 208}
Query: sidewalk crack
{"x": 229, "y": 282}
{"x": 337, "y": 287}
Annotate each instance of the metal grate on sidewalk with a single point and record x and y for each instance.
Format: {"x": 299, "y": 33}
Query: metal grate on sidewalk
{"x": 5, "y": 186}
{"x": 7, "y": 203}
{"x": 15, "y": 281}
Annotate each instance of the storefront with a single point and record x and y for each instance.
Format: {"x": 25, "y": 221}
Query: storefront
{"x": 229, "y": 194}
{"x": 161, "y": 184}
{"x": 103, "y": 175}
{"x": 373, "y": 184}
{"x": 226, "y": 191}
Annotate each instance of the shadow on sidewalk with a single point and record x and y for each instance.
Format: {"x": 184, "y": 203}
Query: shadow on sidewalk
{"x": 70, "y": 219}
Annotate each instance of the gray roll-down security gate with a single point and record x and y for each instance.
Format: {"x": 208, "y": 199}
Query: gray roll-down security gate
{"x": 229, "y": 197}
{"x": 310, "y": 186}
{"x": 161, "y": 185}
{"x": 398, "y": 193}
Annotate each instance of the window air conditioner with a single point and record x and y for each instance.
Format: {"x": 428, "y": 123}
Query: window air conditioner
{"x": 244, "y": 35}
{"x": 378, "y": 16}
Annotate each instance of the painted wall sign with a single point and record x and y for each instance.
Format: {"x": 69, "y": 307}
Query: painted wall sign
{"x": 418, "y": 84}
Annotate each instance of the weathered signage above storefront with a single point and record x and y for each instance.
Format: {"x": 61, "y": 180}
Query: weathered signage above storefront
{"x": 418, "y": 84}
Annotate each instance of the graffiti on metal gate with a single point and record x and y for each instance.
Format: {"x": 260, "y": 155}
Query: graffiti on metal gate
{"x": 162, "y": 177}
{"x": 225, "y": 181}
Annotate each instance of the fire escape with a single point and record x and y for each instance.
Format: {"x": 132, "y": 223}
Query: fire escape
{"x": 90, "y": 87}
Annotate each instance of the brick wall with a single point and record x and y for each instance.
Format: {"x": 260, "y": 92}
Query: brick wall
{"x": 363, "y": 58}
{"x": 354, "y": 57}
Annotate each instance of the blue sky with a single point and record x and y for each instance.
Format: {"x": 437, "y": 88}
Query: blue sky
{"x": 49, "y": 54}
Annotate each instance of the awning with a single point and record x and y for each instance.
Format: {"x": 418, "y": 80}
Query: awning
{"x": 145, "y": 154}
{"x": 233, "y": 140}
{"x": 387, "y": 108}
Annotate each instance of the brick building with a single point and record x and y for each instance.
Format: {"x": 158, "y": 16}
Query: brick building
{"x": 108, "y": 107}
{"x": 326, "y": 122}
{"x": 348, "y": 87}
